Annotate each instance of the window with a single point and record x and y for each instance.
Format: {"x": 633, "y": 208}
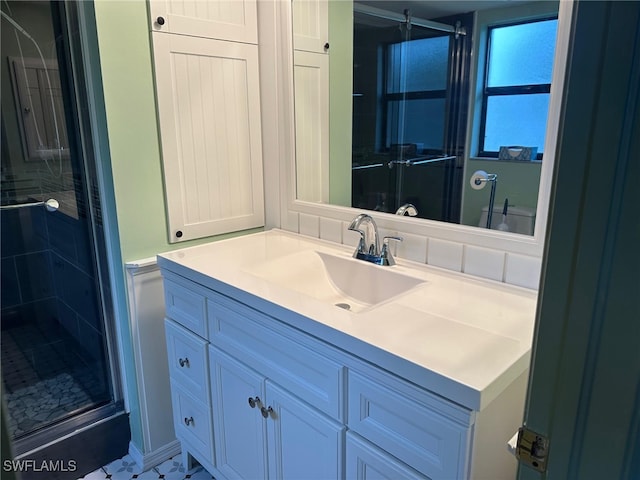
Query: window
{"x": 517, "y": 84}
{"x": 38, "y": 97}
{"x": 415, "y": 92}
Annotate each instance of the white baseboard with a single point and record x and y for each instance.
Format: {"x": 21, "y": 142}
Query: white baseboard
{"x": 150, "y": 460}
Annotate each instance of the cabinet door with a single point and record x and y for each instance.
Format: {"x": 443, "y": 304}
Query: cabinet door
{"x": 239, "y": 428}
{"x": 310, "y": 25}
{"x": 234, "y": 20}
{"x": 303, "y": 443}
{"x": 366, "y": 462}
{"x": 209, "y": 115}
{"x": 311, "y": 77}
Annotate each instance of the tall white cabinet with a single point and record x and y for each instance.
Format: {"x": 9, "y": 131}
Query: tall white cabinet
{"x": 311, "y": 79}
{"x": 208, "y": 98}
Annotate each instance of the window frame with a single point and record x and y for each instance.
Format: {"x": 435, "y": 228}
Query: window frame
{"x": 487, "y": 91}
{"x": 387, "y": 98}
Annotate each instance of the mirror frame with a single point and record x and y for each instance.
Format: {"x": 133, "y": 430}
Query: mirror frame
{"x": 291, "y": 208}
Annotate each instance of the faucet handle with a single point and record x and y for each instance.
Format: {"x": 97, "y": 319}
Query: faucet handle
{"x": 385, "y": 253}
{"x": 385, "y": 240}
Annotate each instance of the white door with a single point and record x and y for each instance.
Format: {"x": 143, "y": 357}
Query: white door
{"x": 303, "y": 443}
{"x": 209, "y": 114}
{"x": 234, "y": 20}
{"x": 237, "y": 393}
{"x": 584, "y": 388}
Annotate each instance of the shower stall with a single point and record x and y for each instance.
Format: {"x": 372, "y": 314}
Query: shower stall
{"x": 409, "y": 124}
{"x": 57, "y": 343}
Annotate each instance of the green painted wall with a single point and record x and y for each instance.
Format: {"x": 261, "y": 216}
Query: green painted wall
{"x": 135, "y": 162}
{"x": 340, "y": 100}
{"x": 517, "y": 181}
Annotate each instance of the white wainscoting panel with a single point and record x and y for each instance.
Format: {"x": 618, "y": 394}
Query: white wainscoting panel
{"x": 146, "y": 311}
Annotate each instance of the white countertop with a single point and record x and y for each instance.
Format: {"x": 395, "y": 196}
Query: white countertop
{"x": 461, "y": 337}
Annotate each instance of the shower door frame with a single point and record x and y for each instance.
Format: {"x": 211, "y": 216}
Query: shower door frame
{"x": 72, "y": 22}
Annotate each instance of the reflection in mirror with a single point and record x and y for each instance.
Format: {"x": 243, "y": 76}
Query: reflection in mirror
{"x": 425, "y": 115}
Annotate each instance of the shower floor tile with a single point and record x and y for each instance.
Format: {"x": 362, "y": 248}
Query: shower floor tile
{"x": 44, "y": 378}
{"x": 43, "y": 402}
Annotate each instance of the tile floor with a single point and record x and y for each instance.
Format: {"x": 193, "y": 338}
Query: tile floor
{"x": 126, "y": 469}
{"x": 45, "y": 377}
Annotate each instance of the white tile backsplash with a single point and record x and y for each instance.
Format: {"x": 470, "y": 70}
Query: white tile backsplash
{"x": 521, "y": 270}
{"x": 349, "y": 237}
{"x": 309, "y": 225}
{"x": 445, "y": 254}
{"x": 484, "y": 262}
{"x": 331, "y": 230}
{"x": 412, "y": 247}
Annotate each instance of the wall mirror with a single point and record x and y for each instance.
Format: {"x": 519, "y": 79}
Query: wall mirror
{"x": 446, "y": 107}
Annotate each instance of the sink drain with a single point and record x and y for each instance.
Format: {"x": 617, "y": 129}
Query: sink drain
{"x": 346, "y": 306}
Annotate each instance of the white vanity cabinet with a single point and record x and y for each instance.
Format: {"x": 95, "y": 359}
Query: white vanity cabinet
{"x": 270, "y": 382}
{"x": 255, "y": 398}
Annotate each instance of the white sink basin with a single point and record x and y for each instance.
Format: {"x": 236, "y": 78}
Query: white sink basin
{"x": 348, "y": 283}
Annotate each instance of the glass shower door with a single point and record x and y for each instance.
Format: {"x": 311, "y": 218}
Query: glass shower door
{"x": 54, "y": 340}
{"x": 409, "y": 124}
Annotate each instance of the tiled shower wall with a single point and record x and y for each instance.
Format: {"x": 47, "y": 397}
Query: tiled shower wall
{"x": 46, "y": 274}
{"x": 511, "y": 268}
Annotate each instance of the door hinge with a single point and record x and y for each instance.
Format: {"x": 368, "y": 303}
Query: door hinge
{"x": 532, "y": 449}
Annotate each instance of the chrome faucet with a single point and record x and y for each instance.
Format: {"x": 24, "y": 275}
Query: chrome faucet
{"x": 407, "y": 209}
{"x": 368, "y": 248}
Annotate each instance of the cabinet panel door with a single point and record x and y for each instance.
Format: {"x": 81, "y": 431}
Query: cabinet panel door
{"x": 239, "y": 429}
{"x": 209, "y": 114}
{"x": 364, "y": 461}
{"x": 311, "y": 77}
{"x": 303, "y": 443}
{"x": 234, "y": 20}
{"x": 310, "y": 25}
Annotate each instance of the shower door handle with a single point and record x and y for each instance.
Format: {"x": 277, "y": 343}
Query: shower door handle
{"x": 51, "y": 205}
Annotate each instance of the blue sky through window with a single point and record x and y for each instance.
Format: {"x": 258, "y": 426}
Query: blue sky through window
{"x": 519, "y": 56}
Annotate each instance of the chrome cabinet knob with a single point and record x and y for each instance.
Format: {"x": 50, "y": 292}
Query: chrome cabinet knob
{"x": 254, "y": 401}
{"x": 184, "y": 362}
{"x": 188, "y": 421}
{"x": 160, "y": 21}
{"x": 266, "y": 411}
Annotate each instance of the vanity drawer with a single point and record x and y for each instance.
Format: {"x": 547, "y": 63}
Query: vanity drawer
{"x": 187, "y": 355}
{"x": 290, "y": 359}
{"x": 192, "y": 421}
{"x": 423, "y": 431}
{"x": 365, "y": 461}
{"x": 185, "y": 303}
